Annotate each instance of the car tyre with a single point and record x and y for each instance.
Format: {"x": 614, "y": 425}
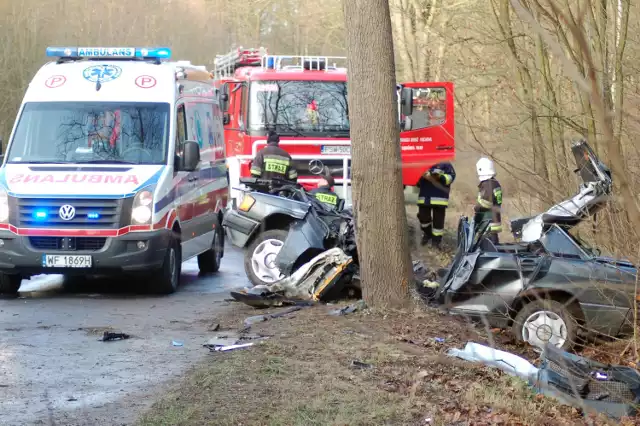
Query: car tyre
{"x": 209, "y": 261}
{"x": 167, "y": 278}
{"x": 273, "y": 235}
{"x": 10, "y": 284}
{"x": 547, "y": 317}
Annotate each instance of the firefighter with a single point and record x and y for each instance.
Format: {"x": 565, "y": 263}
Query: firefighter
{"x": 324, "y": 192}
{"x": 489, "y": 201}
{"x": 433, "y": 201}
{"x": 273, "y": 162}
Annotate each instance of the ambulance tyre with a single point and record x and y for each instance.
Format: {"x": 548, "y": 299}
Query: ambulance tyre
{"x": 10, "y": 284}
{"x": 209, "y": 261}
{"x": 166, "y": 279}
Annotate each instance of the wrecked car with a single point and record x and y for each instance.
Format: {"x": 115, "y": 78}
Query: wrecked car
{"x": 550, "y": 285}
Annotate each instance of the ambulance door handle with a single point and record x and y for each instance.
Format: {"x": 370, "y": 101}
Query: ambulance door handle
{"x": 192, "y": 178}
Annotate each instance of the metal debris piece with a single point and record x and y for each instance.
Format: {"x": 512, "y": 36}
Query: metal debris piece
{"x": 262, "y": 318}
{"x": 358, "y": 306}
{"x": 360, "y": 365}
{"x": 109, "y": 336}
{"x": 232, "y": 347}
{"x": 176, "y": 343}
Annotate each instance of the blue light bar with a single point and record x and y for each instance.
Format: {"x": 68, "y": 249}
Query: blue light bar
{"x": 109, "y": 52}
{"x": 93, "y": 215}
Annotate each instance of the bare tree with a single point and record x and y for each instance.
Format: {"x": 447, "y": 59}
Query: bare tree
{"x": 383, "y": 241}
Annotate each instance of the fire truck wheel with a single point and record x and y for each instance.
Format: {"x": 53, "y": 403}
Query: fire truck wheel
{"x": 167, "y": 278}
{"x": 259, "y": 258}
{"x": 10, "y": 284}
{"x": 209, "y": 261}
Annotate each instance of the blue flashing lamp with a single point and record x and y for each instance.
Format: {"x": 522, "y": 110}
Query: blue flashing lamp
{"x": 40, "y": 215}
{"x": 93, "y": 215}
{"x": 109, "y": 52}
{"x": 271, "y": 62}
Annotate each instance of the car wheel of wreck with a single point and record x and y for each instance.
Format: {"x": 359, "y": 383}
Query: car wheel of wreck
{"x": 543, "y": 322}
{"x": 260, "y": 257}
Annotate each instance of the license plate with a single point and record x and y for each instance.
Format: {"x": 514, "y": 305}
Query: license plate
{"x": 66, "y": 261}
{"x": 336, "y": 149}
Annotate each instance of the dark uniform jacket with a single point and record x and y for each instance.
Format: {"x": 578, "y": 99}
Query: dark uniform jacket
{"x": 273, "y": 162}
{"x": 435, "y": 187}
{"x": 489, "y": 204}
{"x": 326, "y": 195}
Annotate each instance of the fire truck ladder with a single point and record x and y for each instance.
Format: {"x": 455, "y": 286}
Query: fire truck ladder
{"x": 225, "y": 65}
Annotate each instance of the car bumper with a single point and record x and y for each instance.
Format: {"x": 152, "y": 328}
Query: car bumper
{"x": 239, "y": 228}
{"x": 24, "y": 254}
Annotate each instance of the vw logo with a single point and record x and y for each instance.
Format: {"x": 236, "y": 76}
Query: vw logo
{"x": 316, "y": 167}
{"x": 67, "y": 212}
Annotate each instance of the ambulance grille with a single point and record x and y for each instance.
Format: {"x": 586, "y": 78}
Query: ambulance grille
{"x": 302, "y": 166}
{"x": 68, "y": 243}
{"x": 45, "y": 213}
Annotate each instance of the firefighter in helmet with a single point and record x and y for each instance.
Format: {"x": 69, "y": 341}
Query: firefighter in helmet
{"x": 433, "y": 201}
{"x": 489, "y": 202}
{"x": 273, "y": 162}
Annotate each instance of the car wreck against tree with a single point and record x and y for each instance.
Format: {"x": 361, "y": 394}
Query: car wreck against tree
{"x": 549, "y": 286}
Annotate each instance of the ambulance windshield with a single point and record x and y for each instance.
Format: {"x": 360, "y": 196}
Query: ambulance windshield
{"x": 299, "y": 108}
{"x": 91, "y": 132}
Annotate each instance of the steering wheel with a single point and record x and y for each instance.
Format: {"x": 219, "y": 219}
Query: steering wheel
{"x": 137, "y": 148}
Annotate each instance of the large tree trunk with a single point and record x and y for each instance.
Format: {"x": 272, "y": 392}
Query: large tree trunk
{"x": 383, "y": 240}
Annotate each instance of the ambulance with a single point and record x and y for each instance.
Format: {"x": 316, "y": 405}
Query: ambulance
{"x": 115, "y": 165}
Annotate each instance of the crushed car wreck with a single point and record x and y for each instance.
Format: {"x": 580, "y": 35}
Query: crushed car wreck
{"x": 550, "y": 285}
{"x": 325, "y": 277}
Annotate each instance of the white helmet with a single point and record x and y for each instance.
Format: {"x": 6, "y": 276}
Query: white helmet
{"x": 485, "y": 169}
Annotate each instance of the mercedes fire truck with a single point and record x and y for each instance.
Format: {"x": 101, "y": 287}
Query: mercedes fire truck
{"x": 304, "y": 99}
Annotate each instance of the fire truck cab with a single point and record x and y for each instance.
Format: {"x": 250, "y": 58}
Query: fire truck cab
{"x": 304, "y": 99}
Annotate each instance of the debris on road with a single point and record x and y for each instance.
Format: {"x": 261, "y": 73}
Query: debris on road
{"x": 110, "y": 336}
{"x": 349, "y": 309}
{"x": 232, "y": 347}
{"x": 439, "y": 339}
{"x": 176, "y": 343}
{"x": 262, "y": 318}
{"x": 231, "y": 339}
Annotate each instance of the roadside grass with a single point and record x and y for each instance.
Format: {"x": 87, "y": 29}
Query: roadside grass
{"x": 303, "y": 375}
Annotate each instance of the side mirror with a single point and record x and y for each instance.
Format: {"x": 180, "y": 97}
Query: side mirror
{"x": 316, "y": 167}
{"x": 408, "y": 124}
{"x": 406, "y": 101}
{"x": 224, "y": 97}
{"x": 191, "y": 156}
{"x": 226, "y": 119}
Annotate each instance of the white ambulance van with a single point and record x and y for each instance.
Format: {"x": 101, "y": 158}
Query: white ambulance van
{"x": 115, "y": 165}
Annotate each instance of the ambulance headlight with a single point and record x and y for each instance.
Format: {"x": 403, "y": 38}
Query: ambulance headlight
{"x": 142, "y": 209}
{"x": 4, "y": 206}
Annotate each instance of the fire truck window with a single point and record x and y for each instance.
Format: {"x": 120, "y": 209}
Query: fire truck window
{"x": 299, "y": 108}
{"x": 181, "y": 130}
{"x": 429, "y": 107}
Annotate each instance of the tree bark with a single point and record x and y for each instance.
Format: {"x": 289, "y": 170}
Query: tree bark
{"x": 383, "y": 239}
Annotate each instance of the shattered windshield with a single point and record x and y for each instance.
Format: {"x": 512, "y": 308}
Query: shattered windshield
{"x": 91, "y": 132}
{"x": 558, "y": 243}
{"x": 299, "y": 107}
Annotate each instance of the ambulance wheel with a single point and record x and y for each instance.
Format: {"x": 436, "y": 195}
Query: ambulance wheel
{"x": 10, "y": 284}
{"x": 166, "y": 279}
{"x": 260, "y": 256}
{"x": 209, "y": 261}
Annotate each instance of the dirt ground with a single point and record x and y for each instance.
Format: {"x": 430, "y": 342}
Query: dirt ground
{"x": 308, "y": 373}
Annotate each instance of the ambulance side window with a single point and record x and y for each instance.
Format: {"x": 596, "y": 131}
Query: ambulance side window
{"x": 181, "y": 130}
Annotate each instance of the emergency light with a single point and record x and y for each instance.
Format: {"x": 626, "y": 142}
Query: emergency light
{"x": 110, "y": 52}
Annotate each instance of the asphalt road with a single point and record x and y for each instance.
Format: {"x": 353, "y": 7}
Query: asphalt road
{"x": 55, "y": 371}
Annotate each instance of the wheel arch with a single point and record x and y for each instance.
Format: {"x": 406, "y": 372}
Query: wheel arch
{"x": 560, "y": 296}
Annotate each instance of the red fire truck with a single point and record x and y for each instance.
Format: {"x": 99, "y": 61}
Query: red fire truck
{"x": 304, "y": 99}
